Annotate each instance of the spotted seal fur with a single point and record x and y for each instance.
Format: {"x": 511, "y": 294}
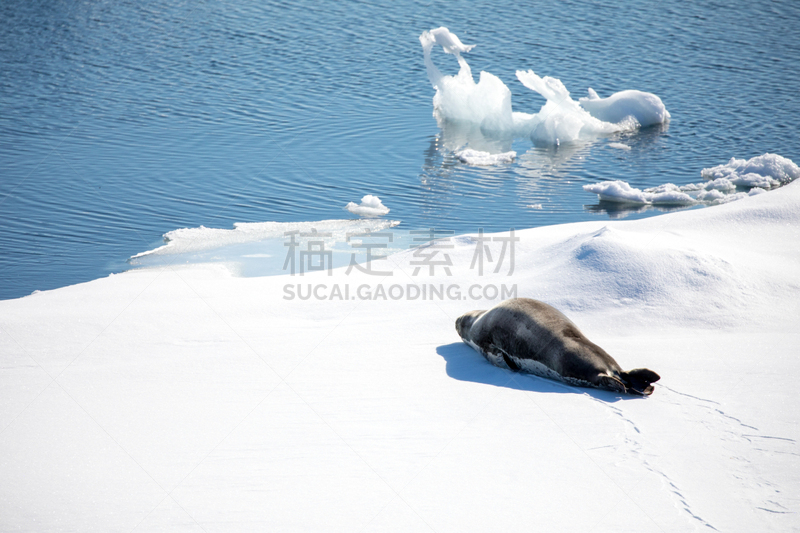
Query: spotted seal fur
{"x": 528, "y": 335}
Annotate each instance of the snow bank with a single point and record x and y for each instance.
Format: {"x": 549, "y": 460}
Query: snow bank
{"x": 371, "y": 206}
{"x": 488, "y": 103}
{"x": 185, "y": 398}
{"x": 760, "y": 173}
{"x": 479, "y": 158}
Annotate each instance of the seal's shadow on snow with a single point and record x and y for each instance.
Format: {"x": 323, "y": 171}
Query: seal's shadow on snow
{"x": 465, "y": 364}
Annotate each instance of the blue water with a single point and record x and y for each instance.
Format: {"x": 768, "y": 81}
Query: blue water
{"x": 124, "y": 120}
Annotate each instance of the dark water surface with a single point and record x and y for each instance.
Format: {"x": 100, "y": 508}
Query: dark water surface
{"x": 124, "y": 120}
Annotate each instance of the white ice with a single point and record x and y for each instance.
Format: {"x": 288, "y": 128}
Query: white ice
{"x": 619, "y": 146}
{"x": 480, "y": 158}
{"x": 765, "y": 171}
{"x": 458, "y": 98}
{"x": 370, "y": 206}
{"x": 759, "y": 173}
{"x": 488, "y": 103}
{"x": 183, "y": 398}
{"x": 188, "y": 240}
{"x": 561, "y": 119}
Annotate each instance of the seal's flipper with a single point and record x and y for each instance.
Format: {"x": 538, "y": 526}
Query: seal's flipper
{"x": 509, "y": 362}
{"x": 640, "y": 379}
{"x": 604, "y": 381}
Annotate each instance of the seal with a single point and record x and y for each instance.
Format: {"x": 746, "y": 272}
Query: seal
{"x": 528, "y": 335}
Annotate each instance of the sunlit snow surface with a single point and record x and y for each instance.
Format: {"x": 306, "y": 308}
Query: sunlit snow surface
{"x": 182, "y": 398}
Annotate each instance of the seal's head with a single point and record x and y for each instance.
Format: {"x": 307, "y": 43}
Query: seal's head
{"x": 639, "y": 380}
{"x": 465, "y": 321}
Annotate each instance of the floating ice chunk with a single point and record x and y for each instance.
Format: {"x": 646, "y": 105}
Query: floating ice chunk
{"x": 765, "y": 171}
{"x": 458, "y": 98}
{"x": 761, "y": 173}
{"x": 478, "y": 158}
{"x": 617, "y": 191}
{"x": 619, "y": 146}
{"x": 646, "y": 108}
{"x": 534, "y": 206}
{"x": 561, "y": 119}
{"x": 371, "y": 206}
{"x": 673, "y": 197}
{"x": 712, "y": 195}
{"x": 488, "y": 103}
{"x": 621, "y": 192}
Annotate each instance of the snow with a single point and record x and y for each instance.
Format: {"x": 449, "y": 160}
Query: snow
{"x": 761, "y": 173}
{"x": 487, "y": 104}
{"x": 186, "y": 398}
{"x": 371, "y": 206}
{"x": 480, "y": 158}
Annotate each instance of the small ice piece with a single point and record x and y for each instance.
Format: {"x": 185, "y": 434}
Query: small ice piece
{"x": 479, "y": 158}
{"x": 765, "y": 171}
{"x": 673, "y": 197}
{"x": 534, "y": 206}
{"x": 646, "y": 108}
{"x": 619, "y": 146}
{"x": 621, "y": 192}
{"x": 710, "y": 196}
{"x": 371, "y": 206}
{"x": 618, "y": 191}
